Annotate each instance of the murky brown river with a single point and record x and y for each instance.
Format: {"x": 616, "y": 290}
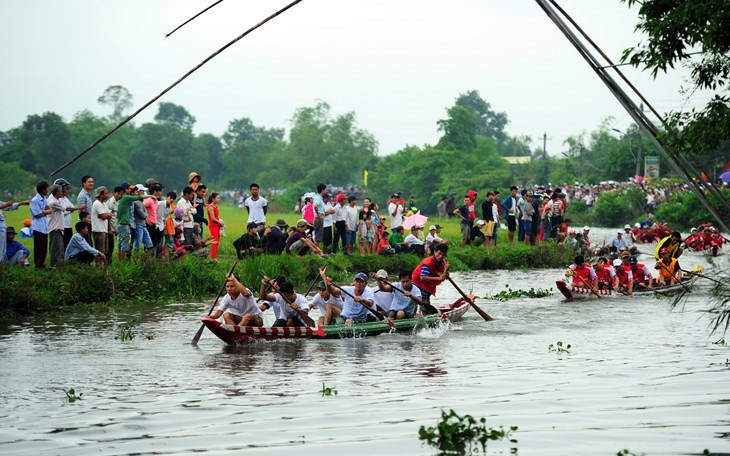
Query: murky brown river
{"x": 638, "y": 376}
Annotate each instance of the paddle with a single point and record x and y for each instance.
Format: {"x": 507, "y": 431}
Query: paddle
{"x": 306, "y": 319}
{"x": 696, "y": 272}
{"x": 424, "y": 305}
{"x": 587, "y": 286}
{"x": 377, "y": 313}
{"x": 197, "y": 335}
{"x": 316, "y": 279}
{"x": 686, "y": 288}
{"x": 482, "y": 313}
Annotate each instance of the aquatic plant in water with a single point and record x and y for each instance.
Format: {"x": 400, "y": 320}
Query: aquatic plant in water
{"x": 328, "y": 391}
{"x": 558, "y": 347}
{"x": 509, "y": 293}
{"x": 125, "y": 331}
{"x": 456, "y": 434}
{"x": 71, "y": 395}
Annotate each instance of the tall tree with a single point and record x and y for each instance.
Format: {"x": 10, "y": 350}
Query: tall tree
{"x": 175, "y": 115}
{"x": 46, "y": 142}
{"x": 460, "y": 129}
{"x": 110, "y": 162}
{"x": 676, "y": 31}
{"x": 247, "y": 150}
{"x": 491, "y": 123}
{"x": 119, "y": 99}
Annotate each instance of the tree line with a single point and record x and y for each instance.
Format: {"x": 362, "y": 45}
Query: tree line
{"x": 319, "y": 147}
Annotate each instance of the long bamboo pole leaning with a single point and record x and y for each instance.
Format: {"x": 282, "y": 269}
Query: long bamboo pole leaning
{"x": 481, "y": 313}
{"x": 197, "y": 335}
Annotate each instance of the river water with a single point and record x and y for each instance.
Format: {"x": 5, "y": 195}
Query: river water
{"x": 637, "y": 376}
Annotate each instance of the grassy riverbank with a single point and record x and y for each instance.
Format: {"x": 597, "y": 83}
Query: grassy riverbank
{"x": 28, "y": 291}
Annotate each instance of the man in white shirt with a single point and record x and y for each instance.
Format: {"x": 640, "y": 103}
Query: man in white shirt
{"x": 329, "y": 210}
{"x": 415, "y": 245}
{"x": 185, "y": 203}
{"x": 238, "y": 306}
{"x": 340, "y": 226}
{"x": 100, "y": 216}
{"x": 328, "y": 305}
{"x": 55, "y": 225}
{"x": 285, "y": 304}
{"x": 257, "y": 206}
{"x": 395, "y": 209}
{"x": 434, "y": 238}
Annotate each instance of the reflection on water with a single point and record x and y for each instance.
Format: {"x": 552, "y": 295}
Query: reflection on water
{"x": 637, "y": 376}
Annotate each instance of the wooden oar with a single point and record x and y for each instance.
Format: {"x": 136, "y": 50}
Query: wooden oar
{"x": 686, "y": 288}
{"x": 424, "y": 305}
{"x": 697, "y": 273}
{"x": 482, "y": 313}
{"x": 377, "y": 313}
{"x": 316, "y": 279}
{"x": 197, "y": 335}
{"x": 586, "y": 284}
{"x": 306, "y": 319}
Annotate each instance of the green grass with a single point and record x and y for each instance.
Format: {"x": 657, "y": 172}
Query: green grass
{"x": 145, "y": 280}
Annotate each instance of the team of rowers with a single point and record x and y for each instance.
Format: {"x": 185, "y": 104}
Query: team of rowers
{"x": 626, "y": 274}
{"x": 354, "y": 303}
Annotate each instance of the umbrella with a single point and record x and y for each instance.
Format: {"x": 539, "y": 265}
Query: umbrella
{"x": 725, "y": 177}
{"x": 414, "y": 220}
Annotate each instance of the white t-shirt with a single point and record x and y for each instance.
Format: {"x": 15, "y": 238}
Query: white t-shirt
{"x": 188, "y": 211}
{"x": 397, "y": 219}
{"x": 412, "y": 239}
{"x": 99, "y": 225}
{"x": 240, "y": 306}
{"x": 256, "y": 209}
{"x": 319, "y": 302}
{"x": 328, "y": 219}
{"x": 383, "y": 299}
{"x": 283, "y": 310}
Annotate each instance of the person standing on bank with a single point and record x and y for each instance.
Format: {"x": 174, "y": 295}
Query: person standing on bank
{"x": 257, "y": 207}
{"x": 8, "y": 206}
{"x": 39, "y": 211}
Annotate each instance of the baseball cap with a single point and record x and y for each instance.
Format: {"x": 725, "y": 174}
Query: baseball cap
{"x": 301, "y": 222}
{"x": 321, "y": 286}
{"x": 617, "y": 263}
{"x": 663, "y": 250}
{"x": 341, "y": 196}
{"x": 620, "y": 232}
{"x": 480, "y": 223}
{"x": 361, "y": 276}
{"x": 627, "y": 227}
{"x": 125, "y": 185}
{"x": 382, "y": 273}
{"x": 586, "y": 228}
{"x": 432, "y": 227}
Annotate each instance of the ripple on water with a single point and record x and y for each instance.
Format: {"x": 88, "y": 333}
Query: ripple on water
{"x": 637, "y": 376}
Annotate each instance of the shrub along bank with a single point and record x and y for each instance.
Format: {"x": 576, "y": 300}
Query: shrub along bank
{"x": 143, "y": 280}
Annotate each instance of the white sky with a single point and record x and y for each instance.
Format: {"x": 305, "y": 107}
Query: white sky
{"x": 398, "y": 64}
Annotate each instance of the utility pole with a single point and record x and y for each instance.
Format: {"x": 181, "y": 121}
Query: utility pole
{"x": 637, "y": 172}
{"x": 544, "y": 145}
{"x": 582, "y": 149}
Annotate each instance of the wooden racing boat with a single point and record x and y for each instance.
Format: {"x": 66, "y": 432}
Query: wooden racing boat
{"x": 249, "y": 334}
{"x": 666, "y": 290}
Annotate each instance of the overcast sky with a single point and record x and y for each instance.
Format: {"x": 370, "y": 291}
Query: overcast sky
{"x": 398, "y": 64}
